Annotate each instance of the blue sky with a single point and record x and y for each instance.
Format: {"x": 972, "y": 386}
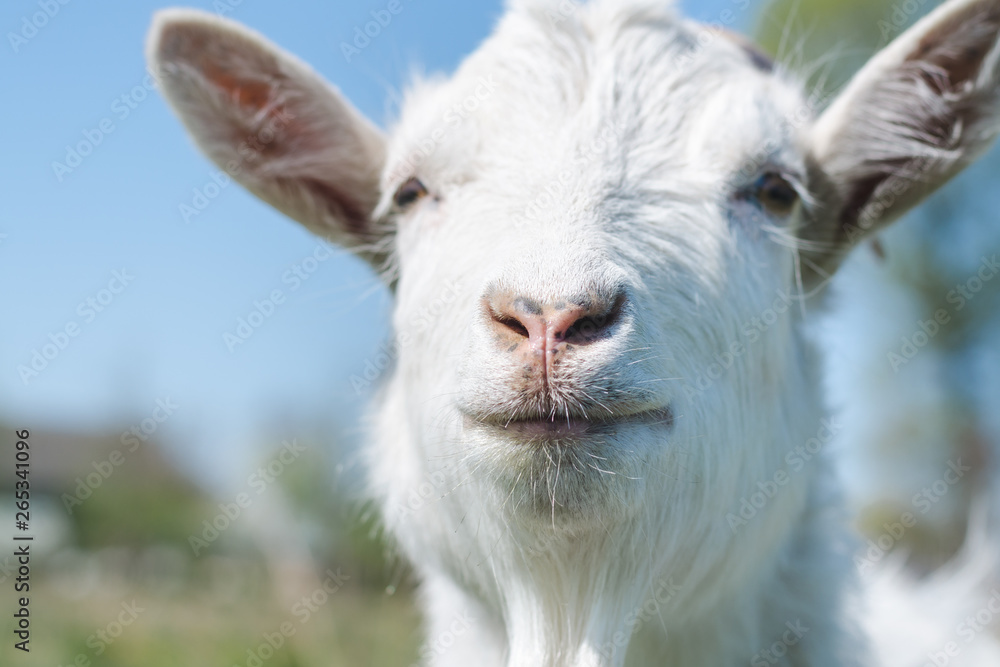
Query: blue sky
{"x": 165, "y": 290}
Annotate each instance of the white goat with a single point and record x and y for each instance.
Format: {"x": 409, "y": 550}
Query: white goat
{"x": 611, "y": 439}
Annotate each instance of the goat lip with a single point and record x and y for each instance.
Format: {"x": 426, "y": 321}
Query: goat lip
{"x": 544, "y": 429}
{"x": 568, "y": 427}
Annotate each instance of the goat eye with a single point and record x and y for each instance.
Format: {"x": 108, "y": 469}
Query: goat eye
{"x": 409, "y": 192}
{"x": 775, "y": 194}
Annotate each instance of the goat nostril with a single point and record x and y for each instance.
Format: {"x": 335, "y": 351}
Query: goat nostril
{"x": 583, "y": 329}
{"x": 590, "y": 327}
{"x": 510, "y": 322}
{"x": 513, "y": 324}
{"x": 516, "y": 319}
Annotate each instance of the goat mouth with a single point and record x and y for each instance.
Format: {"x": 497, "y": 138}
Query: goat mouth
{"x": 568, "y": 427}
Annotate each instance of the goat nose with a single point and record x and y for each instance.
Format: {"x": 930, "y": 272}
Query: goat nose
{"x": 546, "y": 327}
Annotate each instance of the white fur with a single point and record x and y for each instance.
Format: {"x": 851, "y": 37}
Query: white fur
{"x": 607, "y": 147}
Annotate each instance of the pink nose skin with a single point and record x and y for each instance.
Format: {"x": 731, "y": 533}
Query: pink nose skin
{"x": 543, "y": 332}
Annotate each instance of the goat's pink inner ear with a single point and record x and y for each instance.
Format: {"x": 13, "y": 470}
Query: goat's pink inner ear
{"x": 254, "y": 95}
{"x": 278, "y": 128}
{"x": 198, "y": 46}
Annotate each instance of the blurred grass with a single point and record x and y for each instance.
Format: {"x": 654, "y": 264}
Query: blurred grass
{"x": 128, "y": 542}
{"x": 355, "y": 627}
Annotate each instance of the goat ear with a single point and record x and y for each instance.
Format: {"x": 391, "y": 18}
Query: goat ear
{"x": 272, "y": 123}
{"x": 915, "y": 115}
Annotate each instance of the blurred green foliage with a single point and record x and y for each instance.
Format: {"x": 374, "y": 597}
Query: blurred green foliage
{"x": 354, "y": 628}
{"x": 344, "y": 529}
{"x": 826, "y": 41}
{"x": 126, "y": 541}
{"x": 140, "y": 513}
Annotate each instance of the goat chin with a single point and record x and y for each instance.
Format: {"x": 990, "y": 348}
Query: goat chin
{"x": 616, "y": 585}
